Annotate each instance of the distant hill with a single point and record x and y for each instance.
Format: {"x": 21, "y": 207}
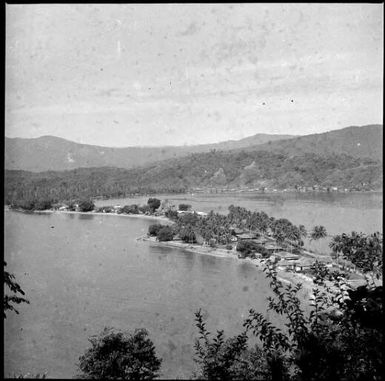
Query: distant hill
{"x": 215, "y": 169}
{"x": 52, "y": 153}
{"x": 365, "y": 141}
{"x": 57, "y": 154}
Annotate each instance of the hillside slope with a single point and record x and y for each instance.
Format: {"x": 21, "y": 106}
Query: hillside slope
{"x": 365, "y": 141}
{"x": 216, "y": 169}
{"x": 57, "y": 154}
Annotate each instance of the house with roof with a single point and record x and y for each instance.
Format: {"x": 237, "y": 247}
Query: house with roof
{"x": 284, "y": 255}
{"x": 273, "y": 247}
{"x": 244, "y": 236}
{"x": 236, "y": 231}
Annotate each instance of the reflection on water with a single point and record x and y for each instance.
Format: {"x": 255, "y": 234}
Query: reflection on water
{"x": 85, "y": 216}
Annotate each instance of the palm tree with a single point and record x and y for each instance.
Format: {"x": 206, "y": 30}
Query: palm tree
{"x": 318, "y": 232}
{"x": 302, "y": 231}
{"x": 336, "y": 245}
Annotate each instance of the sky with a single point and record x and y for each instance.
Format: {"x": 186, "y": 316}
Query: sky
{"x": 180, "y": 74}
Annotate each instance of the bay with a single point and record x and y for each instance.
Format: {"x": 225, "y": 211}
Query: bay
{"x": 84, "y": 272}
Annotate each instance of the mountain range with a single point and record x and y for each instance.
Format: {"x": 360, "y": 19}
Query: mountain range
{"x": 56, "y": 154}
{"x": 348, "y": 158}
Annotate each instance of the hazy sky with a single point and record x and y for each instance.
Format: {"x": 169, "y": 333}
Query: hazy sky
{"x": 135, "y": 74}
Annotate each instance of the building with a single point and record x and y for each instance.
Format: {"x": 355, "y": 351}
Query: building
{"x": 236, "y": 231}
{"x": 287, "y": 256}
{"x": 244, "y": 236}
{"x": 273, "y": 247}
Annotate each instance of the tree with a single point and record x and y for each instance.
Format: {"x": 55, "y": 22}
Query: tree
{"x": 302, "y": 231}
{"x": 86, "y": 206}
{"x": 153, "y": 203}
{"x": 154, "y": 229}
{"x": 130, "y": 209}
{"x": 184, "y": 207}
{"x": 364, "y": 251}
{"x": 120, "y": 355}
{"x": 72, "y": 206}
{"x": 328, "y": 343}
{"x": 14, "y": 287}
{"x": 227, "y": 359}
{"x": 43, "y": 204}
{"x": 144, "y": 209}
{"x": 165, "y": 234}
{"x": 171, "y": 214}
{"x": 318, "y": 232}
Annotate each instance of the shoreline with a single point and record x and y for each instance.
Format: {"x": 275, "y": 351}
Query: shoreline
{"x": 142, "y": 216}
{"x": 282, "y": 275}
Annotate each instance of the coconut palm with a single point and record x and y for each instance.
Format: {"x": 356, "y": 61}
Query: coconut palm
{"x": 336, "y": 245}
{"x": 302, "y": 231}
{"x": 318, "y": 232}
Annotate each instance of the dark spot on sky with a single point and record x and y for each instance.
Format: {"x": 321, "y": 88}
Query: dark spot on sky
{"x": 263, "y": 103}
{"x": 291, "y": 101}
{"x": 101, "y": 69}
{"x": 245, "y": 288}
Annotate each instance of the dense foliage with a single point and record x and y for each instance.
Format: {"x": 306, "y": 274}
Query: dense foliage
{"x": 119, "y": 355}
{"x": 184, "y": 207}
{"x": 153, "y": 203}
{"x": 153, "y": 229}
{"x": 364, "y": 251}
{"x": 86, "y": 206}
{"x": 227, "y": 359}
{"x": 165, "y": 234}
{"x": 249, "y": 248}
{"x": 11, "y": 285}
{"x": 214, "y": 169}
{"x": 340, "y": 339}
{"x": 129, "y": 209}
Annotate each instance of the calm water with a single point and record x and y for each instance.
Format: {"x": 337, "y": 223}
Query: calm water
{"x": 83, "y": 272}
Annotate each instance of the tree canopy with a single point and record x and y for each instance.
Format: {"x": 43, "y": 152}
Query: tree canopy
{"x": 16, "y": 290}
{"x": 119, "y": 355}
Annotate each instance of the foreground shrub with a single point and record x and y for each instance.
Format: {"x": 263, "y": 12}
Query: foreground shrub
{"x": 11, "y": 299}
{"x": 227, "y": 359}
{"x": 119, "y": 355}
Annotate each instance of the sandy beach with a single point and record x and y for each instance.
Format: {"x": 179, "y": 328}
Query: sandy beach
{"x": 283, "y": 276}
{"x": 142, "y": 216}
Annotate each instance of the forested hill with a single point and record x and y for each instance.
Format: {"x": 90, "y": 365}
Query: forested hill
{"x": 354, "y": 141}
{"x": 52, "y": 153}
{"x": 218, "y": 169}
{"x": 57, "y": 154}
